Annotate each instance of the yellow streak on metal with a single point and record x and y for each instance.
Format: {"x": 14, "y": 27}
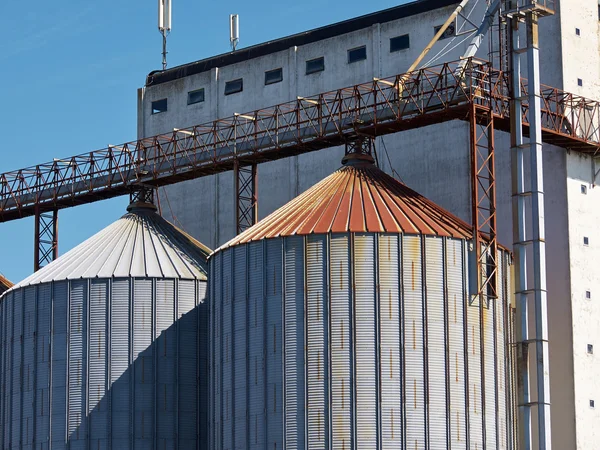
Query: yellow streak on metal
{"x": 415, "y": 389}
{"x": 456, "y": 365}
{"x": 457, "y": 427}
{"x": 414, "y": 335}
{"x": 392, "y": 422}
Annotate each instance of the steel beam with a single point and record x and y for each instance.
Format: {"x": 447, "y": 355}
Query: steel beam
{"x": 45, "y": 238}
{"x": 483, "y": 197}
{"x": 246, "y": 196}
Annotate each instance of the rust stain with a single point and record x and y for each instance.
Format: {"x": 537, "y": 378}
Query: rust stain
{"x": 392, "y": 422}
{"x": 456, "y": 365}
{"x": 457, "y": 427}
{"x": 415, "y": 389}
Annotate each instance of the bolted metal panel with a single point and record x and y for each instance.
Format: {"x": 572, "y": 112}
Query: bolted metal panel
{"x": 17, "y": 370}
{"x": 490, "y": 358}
{"x": 365, "y": 341}
{"x": 202, "y": 372}
{"x": 413, "y": 348}
{"x": 342, "y": 380}
{"x": 316, "y": 337}
{"x": 216, "y": 326}
{"x": 456, "y": 343}
{"x": 240, "y": 332}
{"x": 436, "y": 343}
{"x": 390, "y": 342}
{"x": 256, "y": 334}
{"x": 274, "y": 345}
{"x": 294, "y": 339}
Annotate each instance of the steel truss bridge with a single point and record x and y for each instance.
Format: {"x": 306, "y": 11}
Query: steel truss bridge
{"x": 473, "y": 91}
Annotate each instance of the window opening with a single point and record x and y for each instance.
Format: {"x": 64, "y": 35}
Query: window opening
{"x": 196, "y": 96}
{"x": 315, "y": 65}
{"x": 273, "y": 76}
{"x": 448, "y": 33}
{"x": 357, "y": 54}
{"x": 234, "y": 86}
{"x": 399, "y": 43}
{"x": 159, "y": 106}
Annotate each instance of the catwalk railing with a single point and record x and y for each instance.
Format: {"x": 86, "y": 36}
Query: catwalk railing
{"x": 381, "y": 106}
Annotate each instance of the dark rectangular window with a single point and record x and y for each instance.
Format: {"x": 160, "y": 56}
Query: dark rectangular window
{"x": 273, "y": 76}
{"x": 315, "y": 65}
{"x": 579, "y": 82}
{"x": 233, "y": 86}
{"x": 588, "y": 294}
{"x": 196, "y": 96}
{"x": 450, "y": 31}
{"x": 357, "y": 54}
{"x": 399, "y": 43}
{"x": 577, "y": 31}
{"x": 159, "y": 106}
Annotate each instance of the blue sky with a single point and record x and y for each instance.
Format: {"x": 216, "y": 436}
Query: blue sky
{"x": 71, "y": 69}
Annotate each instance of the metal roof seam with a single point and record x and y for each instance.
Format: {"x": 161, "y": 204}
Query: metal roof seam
{"x": 370, "y": 187}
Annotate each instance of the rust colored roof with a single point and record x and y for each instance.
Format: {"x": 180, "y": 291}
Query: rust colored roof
{"x": 358, "y": 197}
{"x": 4, "y": 284}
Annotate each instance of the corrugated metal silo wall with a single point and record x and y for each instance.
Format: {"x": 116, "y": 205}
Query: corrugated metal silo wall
{"x": 348, "y": 341}
{"x": 98, "y": 364}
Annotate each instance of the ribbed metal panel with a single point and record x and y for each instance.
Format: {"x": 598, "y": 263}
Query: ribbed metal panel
{"x": 240, "y": 331}
{"x": 226, "y": 342}
{"x": 143, "y": 366}
{"x": 341, "y": 343}
{"x": 501, "y": 353}
{"x": 294, "y": 380}
{"x": 365, "y": 342}
{"x": 97, "y": 408}
{"x": 165, "y": 356}
{"x": 436, "y": 343}
{"x": 28, "y": 382}
{"x": 376, "y": 323}
{"x": 491, "y": 387}
{"x": 202, "y": 375}
{"x": 42, "y": 370}
{"x": 316, "y": 351}
{"x": 186, "y": 361}
{"x": 120, "y": 357}
{"x": 17, "y": 370}
{"x": 475, "y": 366}
{"x": 413, "y": 335}
{"x": 256, "y": 352}
{"x": 274, "y": 344}
{"x": 58, "y": 390}
{"x": 390, "y": 342}
{"x": 456, "y": 343}
{"x": 216, "y": 314}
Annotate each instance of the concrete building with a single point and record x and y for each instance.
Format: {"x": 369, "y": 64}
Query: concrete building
{"x": 434, "y": 160}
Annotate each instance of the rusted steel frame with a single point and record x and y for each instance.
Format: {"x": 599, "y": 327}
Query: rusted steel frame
{"x": 483, "y": 198}
{"x": 45, "y": 238}
{"x": 246, "y": 195}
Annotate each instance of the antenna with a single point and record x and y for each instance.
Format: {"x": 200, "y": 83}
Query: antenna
{"x": 234, "y": 30}
{"x": 164, "y": 26}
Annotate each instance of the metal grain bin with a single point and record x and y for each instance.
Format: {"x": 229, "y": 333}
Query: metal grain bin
{"x": 343, "y": 321}
{"x": 100, "y": 349}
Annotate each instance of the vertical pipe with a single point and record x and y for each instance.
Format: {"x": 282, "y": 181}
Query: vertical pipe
{"x": 538, "y": 237}
{"x": 518, "y": 210}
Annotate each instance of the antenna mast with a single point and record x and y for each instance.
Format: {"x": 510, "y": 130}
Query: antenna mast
{"x": 164, "y": 26}
{"x": 234, "y": 30}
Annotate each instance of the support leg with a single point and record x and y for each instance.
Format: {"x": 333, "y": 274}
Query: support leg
{"x": 46, "y": 238}
{"x": 246, "y": 196}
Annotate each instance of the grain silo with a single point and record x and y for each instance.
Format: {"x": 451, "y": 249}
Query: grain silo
{"x": 100, "y": 349}
{"x": 343, "y": 321}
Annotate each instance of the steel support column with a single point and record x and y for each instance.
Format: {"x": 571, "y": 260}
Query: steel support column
{"x": 483, "y": 197}
{"x": 246, "y": 196}
{"x": 528, "y": 227}
{"x": 45, "y": 238}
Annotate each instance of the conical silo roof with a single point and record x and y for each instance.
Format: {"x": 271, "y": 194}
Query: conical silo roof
{"x": 358, "y": 197}
{"x": 139, "y": 244}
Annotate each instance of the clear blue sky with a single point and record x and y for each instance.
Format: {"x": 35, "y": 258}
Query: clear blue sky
{"x": 71, "y": 69}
